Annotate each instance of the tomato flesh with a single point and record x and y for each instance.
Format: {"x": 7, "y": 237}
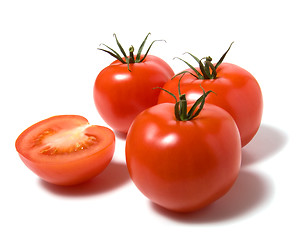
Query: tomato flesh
{"x": 65, "y": 141}
{"x": 66, "y": 150}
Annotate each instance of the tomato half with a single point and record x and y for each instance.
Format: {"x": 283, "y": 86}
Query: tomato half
{"x": 66, "y": 149}
{"x": 237, "y": 91}
{"x": 183, "y": 165}
{"x": 120, "y": 94}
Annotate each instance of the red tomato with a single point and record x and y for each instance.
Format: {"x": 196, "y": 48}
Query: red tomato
{"x": 66, "y": 149}
{"x": 183, "y": 165}
{"x": 125, "y": 88}
{"x": 121, "y": 94}
{"x": 237, "y": 91}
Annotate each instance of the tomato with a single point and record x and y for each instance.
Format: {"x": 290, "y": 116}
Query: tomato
{"x": 125, "y": 88}
{"x": 237, "y": 91}
{"x": 66, "y": 149}
{"x": 183, "y": 165}
{"x": 120, "y": 95}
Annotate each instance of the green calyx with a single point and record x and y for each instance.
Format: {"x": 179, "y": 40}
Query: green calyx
{"x": 181, "y": 112}
{"x": 207, "y": 68}
{"x": 131, "y": 58}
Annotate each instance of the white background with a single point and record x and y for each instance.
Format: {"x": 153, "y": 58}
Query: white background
{"x": 48, "y": 64}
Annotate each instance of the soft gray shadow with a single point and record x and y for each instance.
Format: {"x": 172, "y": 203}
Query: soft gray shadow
{"x": 267, "y": 142}
{"x": 114, "y": 176}
{"x": 249, "y": 192}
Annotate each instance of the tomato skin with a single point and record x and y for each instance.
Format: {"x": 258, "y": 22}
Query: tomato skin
{"x": 237, "y": 91}
{"x": 120, "y": 95}
{"x": 183, "y": 165}
{"x": 66, "y": 168}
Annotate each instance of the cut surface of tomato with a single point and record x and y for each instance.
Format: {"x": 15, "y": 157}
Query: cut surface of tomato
{"x": 66, "y": 149}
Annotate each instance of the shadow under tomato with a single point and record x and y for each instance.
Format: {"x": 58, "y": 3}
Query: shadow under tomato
{"x": 267, "y": 142}
{"x": 120, "y": 135}
{"x": 248, "y": 193}
{"x": 114, "y": 176}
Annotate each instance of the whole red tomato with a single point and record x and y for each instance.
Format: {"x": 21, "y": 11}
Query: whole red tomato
{"x": 66, "y": 149}
{"x": 125, "y": 88}
{"x": 237, "y": 91}
{"x": 180, "y": 160}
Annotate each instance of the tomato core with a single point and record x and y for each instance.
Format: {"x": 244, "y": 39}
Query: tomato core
{"x": 64, "y": 141}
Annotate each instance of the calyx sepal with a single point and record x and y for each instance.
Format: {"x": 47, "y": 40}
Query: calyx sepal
{"x": 181, "y": 112}
{"x": 207, "y": 68}
{"x": 128, "y": 59}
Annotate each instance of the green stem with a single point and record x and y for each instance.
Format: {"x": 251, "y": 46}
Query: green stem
{"x": 181, "y": 113}
{"x": 207, "y": 68}
{"x": 131, "y": 56}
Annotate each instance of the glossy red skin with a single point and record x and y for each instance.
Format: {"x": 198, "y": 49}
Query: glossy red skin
{"x": 237, "y": 91}
{"x": 183, "y": 165}
{"x": 120, "y": 95}
{"x": 68, "y": 168}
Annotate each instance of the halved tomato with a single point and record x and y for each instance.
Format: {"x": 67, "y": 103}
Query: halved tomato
{"x": 66, "y": 149}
